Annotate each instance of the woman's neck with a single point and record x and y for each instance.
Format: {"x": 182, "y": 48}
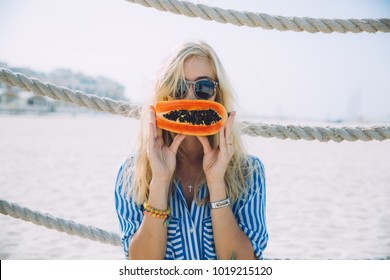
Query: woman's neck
{"x": 191, "y": 153}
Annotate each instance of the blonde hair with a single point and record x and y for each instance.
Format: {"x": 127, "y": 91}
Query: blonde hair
{"x": 138, "y": 173}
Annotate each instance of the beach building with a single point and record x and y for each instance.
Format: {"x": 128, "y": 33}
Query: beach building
{"x": 19, "y": 102}
{"x": 14, "y": 101}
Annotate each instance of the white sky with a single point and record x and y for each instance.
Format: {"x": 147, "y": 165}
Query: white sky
{"x": 275, "y": 74}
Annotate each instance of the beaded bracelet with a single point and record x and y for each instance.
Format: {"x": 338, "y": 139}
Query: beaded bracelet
{"x": 161, "y": 212}
{"x": 157, "y": 213}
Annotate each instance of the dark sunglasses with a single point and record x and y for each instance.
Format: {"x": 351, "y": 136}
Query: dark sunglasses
{"x": 203, "y": 88}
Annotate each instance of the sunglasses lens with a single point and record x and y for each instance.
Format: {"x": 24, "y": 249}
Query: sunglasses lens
{"x": 181, "y": 90}
{"x": 204, "y": 89}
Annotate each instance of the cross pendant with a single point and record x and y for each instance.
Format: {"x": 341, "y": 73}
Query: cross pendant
{"x": 189, "y": 187}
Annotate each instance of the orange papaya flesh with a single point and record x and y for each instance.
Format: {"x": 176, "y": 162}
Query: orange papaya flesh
{"x": 191, "y": 117}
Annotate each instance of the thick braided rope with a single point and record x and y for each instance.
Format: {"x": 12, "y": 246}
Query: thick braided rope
{"x": 323, "y": 134}
{"x": 59, "y": 224}
{"x": 265, "y": 21}
{"x": 71, "y": 96}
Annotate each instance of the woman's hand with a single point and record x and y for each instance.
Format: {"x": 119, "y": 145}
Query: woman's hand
{"x": 162, "y": 158}
{"x": 216, "y": 161}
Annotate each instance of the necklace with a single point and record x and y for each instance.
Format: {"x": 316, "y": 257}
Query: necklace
{"x": 190, "y": 186}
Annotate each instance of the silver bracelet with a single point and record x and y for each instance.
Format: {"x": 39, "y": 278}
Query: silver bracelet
{"x": 220, "y": 204}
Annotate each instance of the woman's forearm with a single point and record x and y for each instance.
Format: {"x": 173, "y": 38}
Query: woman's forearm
{"x": 150, "y": 240}
{"x": 228, "y": 236}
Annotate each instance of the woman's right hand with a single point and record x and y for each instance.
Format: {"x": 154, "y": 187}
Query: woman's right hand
{"x": 161, "y": 157}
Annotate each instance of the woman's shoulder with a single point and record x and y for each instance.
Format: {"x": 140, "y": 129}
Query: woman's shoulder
{"x": 255, "y": 163}
{"x": 253, "y": 158}
{"x": 125, "y": 170}
{"x": 257, "y": 174}
{"x": 128, "y": 162}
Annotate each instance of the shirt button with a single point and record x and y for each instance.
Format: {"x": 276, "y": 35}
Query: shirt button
{"x": 192, "y": 230}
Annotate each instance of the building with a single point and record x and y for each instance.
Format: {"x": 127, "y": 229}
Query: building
{"x": 13, "y": 101}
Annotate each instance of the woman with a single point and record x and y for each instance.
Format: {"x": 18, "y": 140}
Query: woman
{"x": 208, "y": 193}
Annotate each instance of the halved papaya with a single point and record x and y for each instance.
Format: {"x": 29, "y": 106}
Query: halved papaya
{"x": 191, "y": 117}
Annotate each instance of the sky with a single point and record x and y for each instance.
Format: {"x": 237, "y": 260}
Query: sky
{"x": 275, "y": 74}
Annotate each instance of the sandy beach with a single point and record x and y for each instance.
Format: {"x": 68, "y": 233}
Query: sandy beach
{"x": 324, "y": 200}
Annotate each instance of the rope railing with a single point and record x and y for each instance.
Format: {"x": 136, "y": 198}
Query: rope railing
{"x": 266, "y": 21}
{"x": 76, "y": 97}
{"x": 322, "y": 134}
{"x": 310, "y": 133}
{"x": 89, "y": 232}
{"x": 70, "y": 227}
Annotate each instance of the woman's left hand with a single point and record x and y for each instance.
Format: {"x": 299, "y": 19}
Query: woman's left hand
{"x": 216, "y": 161}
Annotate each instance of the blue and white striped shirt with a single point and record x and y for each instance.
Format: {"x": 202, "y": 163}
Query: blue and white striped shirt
{"x": 190, "y": 233}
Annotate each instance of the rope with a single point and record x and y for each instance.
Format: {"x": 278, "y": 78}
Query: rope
{"x": 59, "y": 224}
{"x": 71, "y": 96}
{"x": 322, "y": 134}
{"x": 265, "y": 21}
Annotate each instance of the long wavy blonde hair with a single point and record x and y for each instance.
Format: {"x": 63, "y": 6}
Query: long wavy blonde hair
{"x": 138, "y": 174}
